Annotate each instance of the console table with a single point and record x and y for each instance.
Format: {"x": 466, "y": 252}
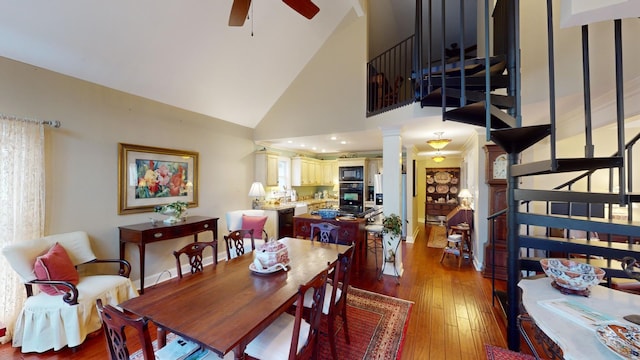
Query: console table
{"x": 146, "y": 233}
{"x": 576, "y": 341}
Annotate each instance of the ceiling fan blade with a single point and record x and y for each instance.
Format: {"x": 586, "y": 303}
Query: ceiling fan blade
{"x": 239, "y": 11}
{"x": 305, "y": 7}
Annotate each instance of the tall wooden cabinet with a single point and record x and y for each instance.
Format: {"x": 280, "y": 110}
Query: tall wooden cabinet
{"x": 443, "y": 185}
{"x": 496, "y": 163}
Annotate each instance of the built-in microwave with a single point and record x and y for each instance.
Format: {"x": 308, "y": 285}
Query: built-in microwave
{"x": 351, "y": 173}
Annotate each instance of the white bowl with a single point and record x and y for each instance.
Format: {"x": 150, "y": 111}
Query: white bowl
{"x": 572, "y": 274}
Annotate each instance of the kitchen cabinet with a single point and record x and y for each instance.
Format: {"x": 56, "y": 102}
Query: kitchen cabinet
{"x": 329, "y": 172}
{"x": 266, "y": 168}
{"x": 308, "y": 172}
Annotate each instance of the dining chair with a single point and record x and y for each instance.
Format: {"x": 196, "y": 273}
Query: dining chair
{"x": 324, "y": 232}
{"x": 114, "y": 323}
{"x": 335, "y": 301}
{"x": 236, "y": 241}
{"x": 194, "y": 252}
{"x": 292, "y": 337}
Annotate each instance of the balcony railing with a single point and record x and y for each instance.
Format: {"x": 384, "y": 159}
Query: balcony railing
{"x": 389, "y": 82}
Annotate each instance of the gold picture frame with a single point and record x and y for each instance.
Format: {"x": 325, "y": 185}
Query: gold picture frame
{"x": 152, "y": 176}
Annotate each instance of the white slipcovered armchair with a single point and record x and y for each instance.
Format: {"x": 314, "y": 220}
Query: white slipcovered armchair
{"x": 55, "y": 321}
{"x": 234, "y": 221}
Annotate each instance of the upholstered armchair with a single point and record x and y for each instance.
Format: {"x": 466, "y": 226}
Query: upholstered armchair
{"x": 235, "y": 222}
{"x": 62, "y": 310}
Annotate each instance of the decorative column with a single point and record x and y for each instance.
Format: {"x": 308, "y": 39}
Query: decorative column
{"x": 392, "y": 194}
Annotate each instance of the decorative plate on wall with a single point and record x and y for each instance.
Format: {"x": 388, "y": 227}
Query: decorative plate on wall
{"x": 431, "y": 189}
{"x": 429, "y": 180}
{"x": 453, "y": 190}
{"x": 454, "y": 180}
{"x": 442, "y": 177}
{"x": 442, "y": 189}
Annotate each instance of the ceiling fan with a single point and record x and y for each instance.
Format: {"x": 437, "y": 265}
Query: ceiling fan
{"x": 240, "y": 9}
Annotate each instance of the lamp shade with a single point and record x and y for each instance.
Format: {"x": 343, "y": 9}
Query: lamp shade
{"x": 256, "y": 189}
{"x": 464, "y": 193}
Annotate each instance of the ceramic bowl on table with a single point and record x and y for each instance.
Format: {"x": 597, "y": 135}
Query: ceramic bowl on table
{"x": 571, "y": 274}
{"x": 328, "y": 213}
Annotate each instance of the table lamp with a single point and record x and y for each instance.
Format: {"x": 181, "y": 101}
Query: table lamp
{"x": 465, "y": 195}
{"x": 256, "y": 190}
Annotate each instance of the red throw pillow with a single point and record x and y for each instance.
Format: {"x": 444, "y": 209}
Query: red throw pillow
{"x": 55, "y": 265}
{"x": 254, "y": 222}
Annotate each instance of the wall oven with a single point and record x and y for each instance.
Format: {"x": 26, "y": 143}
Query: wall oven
{"x": 351, "y": 173}
{"x": 352, "y": 197}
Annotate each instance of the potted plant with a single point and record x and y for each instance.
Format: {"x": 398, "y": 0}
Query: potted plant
{"x": 391, "y": 226}
{"x": 174, "y": 210}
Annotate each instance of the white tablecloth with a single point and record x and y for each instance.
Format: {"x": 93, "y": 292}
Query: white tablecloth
{"x": 576, "y": 341}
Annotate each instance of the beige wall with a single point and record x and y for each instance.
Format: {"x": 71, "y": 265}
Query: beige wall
{"x": 328, "y": 95}
{"x": 82, "y": 157}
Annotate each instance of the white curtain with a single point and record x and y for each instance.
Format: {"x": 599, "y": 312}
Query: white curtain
{"x": 22, "y": 189}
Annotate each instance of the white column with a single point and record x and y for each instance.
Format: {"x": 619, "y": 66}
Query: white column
{"x": 392, "y": 188}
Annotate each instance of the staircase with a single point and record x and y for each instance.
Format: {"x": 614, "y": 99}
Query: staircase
{"x": 486, "y": 92}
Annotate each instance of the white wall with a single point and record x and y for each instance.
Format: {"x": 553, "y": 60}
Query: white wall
{"x": 82, "y": 156}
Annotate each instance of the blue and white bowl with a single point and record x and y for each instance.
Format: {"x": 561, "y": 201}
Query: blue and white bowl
{"x": 571, "y": 274}
{"x": 328, "y": 213}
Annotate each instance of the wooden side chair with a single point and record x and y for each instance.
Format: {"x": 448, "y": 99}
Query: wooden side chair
{"x": 114, "y": 323}
{"x": 236, "y": 241}
{"x": 293, "y": 337}
{"x": 325, "y": 232}
{"x": 194, "y": 252}
{"x": 335, "y": 301}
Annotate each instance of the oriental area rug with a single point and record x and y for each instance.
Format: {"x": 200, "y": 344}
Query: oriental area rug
{"x": 377, "y": 328}
{"x": 437, "y": 237}
{"x": 498, "y": 353}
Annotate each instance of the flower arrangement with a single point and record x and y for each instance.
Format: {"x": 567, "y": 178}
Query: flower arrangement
{"x": 174, "y": 210}
{"x": 392, "y": 225}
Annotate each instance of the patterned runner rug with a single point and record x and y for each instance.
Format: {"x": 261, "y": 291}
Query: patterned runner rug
{"x": 498, "y": 353}
{"x": 377, "y": 328}
{"x": 438, "y": 237}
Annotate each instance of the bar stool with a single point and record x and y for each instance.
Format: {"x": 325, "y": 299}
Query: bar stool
{"x": 374, "y": 234}
{"x": 454, "y": 247}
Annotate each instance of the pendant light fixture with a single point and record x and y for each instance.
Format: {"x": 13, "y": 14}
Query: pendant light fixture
{"x": 438, "y": 157}
{"x": 439, "y": 143}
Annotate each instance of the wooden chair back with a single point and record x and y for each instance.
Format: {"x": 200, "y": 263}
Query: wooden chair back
{"x": 236, "y": 241}
{"x": 340, "y": 279}
{"x": 194, "y": 252}
{"x": 114, "y": 322}
{"x": 310, "y": 349}
{"x": 325, "y": 232}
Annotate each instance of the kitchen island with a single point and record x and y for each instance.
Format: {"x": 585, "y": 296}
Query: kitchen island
{"x": 351, "y": 231}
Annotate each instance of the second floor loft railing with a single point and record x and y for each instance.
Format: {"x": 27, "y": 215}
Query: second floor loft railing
{"x": 389, "y": 76}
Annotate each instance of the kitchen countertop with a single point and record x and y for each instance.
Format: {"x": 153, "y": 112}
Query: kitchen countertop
{"x": 289, "y": 205}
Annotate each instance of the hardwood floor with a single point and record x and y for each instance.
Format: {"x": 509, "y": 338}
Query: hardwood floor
{"x": 452, "y": 316}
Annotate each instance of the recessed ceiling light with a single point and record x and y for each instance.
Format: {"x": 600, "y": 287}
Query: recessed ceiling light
{"x": 334, "y": 138}
{"x": 343, "y": 142}
{"x": 314, "y": 148}
{"x": 290, "y": 141}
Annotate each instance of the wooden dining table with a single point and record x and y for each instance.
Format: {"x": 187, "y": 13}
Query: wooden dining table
{"x": 227, "y": 305}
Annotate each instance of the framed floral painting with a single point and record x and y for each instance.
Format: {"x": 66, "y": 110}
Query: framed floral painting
{"x": 151, "y": 176}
